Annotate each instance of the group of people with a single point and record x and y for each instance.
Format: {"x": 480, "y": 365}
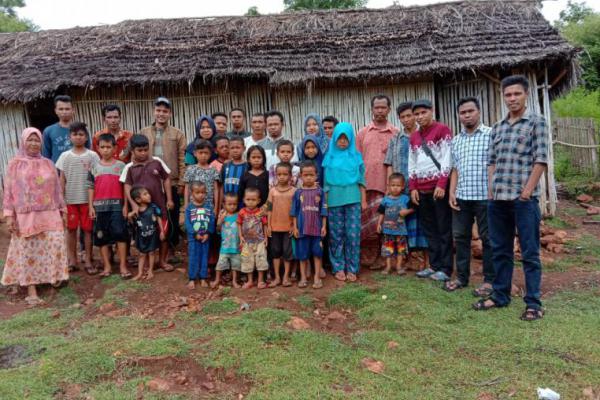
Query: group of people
{"x": 254, "y": 202}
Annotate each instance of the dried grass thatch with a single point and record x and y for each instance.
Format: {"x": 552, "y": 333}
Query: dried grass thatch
{"x": 284, "y": 49}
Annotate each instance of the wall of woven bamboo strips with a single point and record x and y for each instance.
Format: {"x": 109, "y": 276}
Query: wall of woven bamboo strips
{"x": 13, "y": 120}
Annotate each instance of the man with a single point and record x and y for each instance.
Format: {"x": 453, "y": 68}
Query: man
{"x": 112, "y": 124}
{"x": 257, "y": 123}
{"x": 372, "y": 141}
{"x": 429, "y": 164}
{"x": 468, "y": 195}
{"x": 220, "y": 119}
{"x": 56, "y": 139}
{"x": 518, "y": 157}
{"x": 275, "y": 124}
{"x": 168, "y": 144}
{"x": 238, "y": 123}
{"x": 329, "y": 123}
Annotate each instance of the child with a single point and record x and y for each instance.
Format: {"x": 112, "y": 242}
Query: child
{"x": 232, "y": 171}
{"x": 204, "y": 173}
{"x": 310, "y": 151}
{"x": 153, "y": 175}
{"x": 344, "y": 172}
{"x": 74, "y": 165}
{"x": 222, "y": 150}
{"x": 309, "y": 212}
{"x": 199, "y": 221}
{"x": 106, "y": 205}
{"x": 256, "y": 176}
{"x": 393, "y": 209}
{"x": 285, "y": 153}
{"x": 280, "y": 224}
{"x": 229, "y": 257}
{"x": 149, "y": 232}
{"x": 253, "y": 238}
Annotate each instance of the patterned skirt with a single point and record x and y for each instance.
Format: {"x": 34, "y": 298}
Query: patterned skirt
{"x": 369, "y": 238}
{"x": 416, "y": 236}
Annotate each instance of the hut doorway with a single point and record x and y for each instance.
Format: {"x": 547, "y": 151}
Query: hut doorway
{"x": 40, "y": 113}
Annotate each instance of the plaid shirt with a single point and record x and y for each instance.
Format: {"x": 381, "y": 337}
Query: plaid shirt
{"x": 513, "y": 150}
{"x": 469, "y": 158}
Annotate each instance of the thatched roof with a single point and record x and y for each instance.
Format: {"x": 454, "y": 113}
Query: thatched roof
{"x": 288, "y": 48}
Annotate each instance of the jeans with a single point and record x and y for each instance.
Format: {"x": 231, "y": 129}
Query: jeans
{"x": 436, "y": 222}
{"x": 503, "y": 217}
{"x": 462, "y": 224}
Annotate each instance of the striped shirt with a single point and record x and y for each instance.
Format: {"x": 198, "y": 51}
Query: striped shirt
{"x": 108, "y": 190}
{"x": 469, "y": 158}
{"x": 230, "y": 176}
{"x": 76, "y": 168}
{"x": 309, "y": 208}
{"x": 514, "y": 148}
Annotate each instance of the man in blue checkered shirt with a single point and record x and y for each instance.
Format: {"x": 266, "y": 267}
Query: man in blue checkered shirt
{"x": 517, "y": 159}
{"x": 468, "y": 195}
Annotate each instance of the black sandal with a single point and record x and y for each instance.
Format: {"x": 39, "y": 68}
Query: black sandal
{"x": 483, "y": 291}
{"x": 531, "y": 314}
{"x": 451, "y": 286}
{"x": 480, "y": 305}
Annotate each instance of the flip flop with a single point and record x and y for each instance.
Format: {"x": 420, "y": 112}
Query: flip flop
{"x": 340, "y": 276}
{"x": 261, "y": 285}
{"x": 34, "y": 301}
{"x": 126, "y": 275}
{"x": 531, "y": 314}
{"x": 91, "y": 269}
{"x": 168, "y": 267}
{"x": 317, "y": 285}
{"x": 302, "y": 284}
{"x": 104, "y": 274}
{"x": 351, "y": 277}
{"x": 286, "y": 284}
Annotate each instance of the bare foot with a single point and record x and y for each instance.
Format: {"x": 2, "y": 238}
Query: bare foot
{"x": 235, "y": 284}
{"x": 247, "y": 285}
{"x": 261, "y": 285}
{"x": 149, "y": 275}
{"x": 214, "y": 284}
{"x": 191, "y": 285}
{"x": 138, "y": 277}
{"x": 402, "y": 271}
{"x": 203, "y": 283}
{"x": 322, "y": 274}
{"x": 286, "y": 283}
{"x": 385, "y": 271}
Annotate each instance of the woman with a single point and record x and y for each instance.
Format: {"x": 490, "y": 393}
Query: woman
{"x": 35, "y": 213}
{"x": 205, "y": 129}
{"x": 314, "y": 127}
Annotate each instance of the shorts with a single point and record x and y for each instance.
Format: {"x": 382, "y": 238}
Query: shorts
{"x": 394, "y": 245}
{"x": 254, "y": 256}
{"x": 109, "y": 228}
{"x": 309, "y": 246}
{"x": 280, "y": 245}
{"x": 78, "y": 215}
{"x": 229, "y": 261}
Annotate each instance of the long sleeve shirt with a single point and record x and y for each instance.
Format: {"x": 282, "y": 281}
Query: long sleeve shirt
{"x": 423, "y": 174}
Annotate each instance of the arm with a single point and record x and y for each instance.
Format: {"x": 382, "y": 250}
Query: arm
{"x": 128, "y": 199}
{"x": 180, "y": 160}
{"x": 379, "y": 222}
{"x": 363, "y": 197}
{"x": 169, "y": 193}
{"x": 534, "y": 178}
{"x": 189, "y": 230}
{"x": 46, "y": 144}
{"x": 406, "y": 212}
{"x": 539, "y": 149}
{"x": 296, "y": 232}
{"x": 63, "y": 182}
{"x": 92, "y": 211}
{"x": 452, "y": 190}
{"x": 161, "y": 230}
{"x": 217, "y": 198}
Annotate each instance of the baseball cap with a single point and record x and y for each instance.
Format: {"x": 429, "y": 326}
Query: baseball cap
{"x": 162, "y": 101}
{"x": 423, "y": 103}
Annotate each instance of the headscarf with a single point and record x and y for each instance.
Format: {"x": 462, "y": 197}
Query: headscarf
{"x": 22, "y": 153}
{"x": 318, "y": 159}
{"x": 343, "y": 167}
{"x": 321, "y": 138}
{"x": 192, "y": 146}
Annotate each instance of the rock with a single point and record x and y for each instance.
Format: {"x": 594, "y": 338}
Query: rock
{"x": 555, "y": 248}
{"x": 593, "y": 211}
{"x": 372, "y": 365}
{"x": 486, "y": 396}
{"x": 336, "y": 316}
{"x": 158, "y": 385}
{"x": 56, "y": 314}
{"x": 89, "y": 301}
{"x": 298, "y": 324}
{"x": 208, "y": 385}
{"x": 585, "y": 198}
{"x": 392, "y": 345}
{"x": 76, "y": 305}
{"x": 546, "y": 240}
{"x": 561, "y": 234}
{"x": 170, "y": 325}
{"x": 316, "y": 312}
{"x": 588, "y": 393}
{"x": 244, "y": 307}
{"x": 181, "y": 379}
{"x": 104, "y": 308}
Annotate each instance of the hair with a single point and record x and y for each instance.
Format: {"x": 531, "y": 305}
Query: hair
{"x": 515, "y": 80}
{"x": 407, "y": 105}
{"x": 307, "y": 164}
{"x": 219, "y": 114}
{"x": 136, "y": 191}
{"x": 237, "y": 139}
{"x": 252, "y": 190}
{"x": 258, "y": 148}
{"x": 220, "y": 138}
{"x": 62, "y": 97}
{"x": 275, "y": 113}
{"x": 285, "y": 142}
{"x": 138, "y": 141}
{"x": 397, "y": 175}
{"x": 285, "y": 165}
{"x": 469, "y": 99}
{"x": 331, "y": 118}
{"x": 259, "y": 115}
{"x": 110, "y": 107}
{"x": 381, "y": 97}
{"x": 231, "y": 195}
{"x": 107, "y": 137}
{"x": 238, "y": 109}
{"x": 197, "y": 184}
{"x": 202, "y": 144}
{"x": 78, "y": 126}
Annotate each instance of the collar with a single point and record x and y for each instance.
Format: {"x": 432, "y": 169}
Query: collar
{"x": 527, "y": 115}
{"x": 478, "y": 130}
{"x": 388, "y": 127}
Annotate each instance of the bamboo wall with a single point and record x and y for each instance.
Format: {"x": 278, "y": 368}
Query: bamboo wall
{"x": 13, "y": 120}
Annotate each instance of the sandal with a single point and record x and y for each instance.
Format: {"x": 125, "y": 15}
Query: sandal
{"x": 531, "y": 314}
{"x": 168, "y": 267}
{"x": 126, "y": 275}
{"x": 340, "y": 276}
{"x": 481, "y": 306}
{"x": 34, "y": 301}
{"x": 104, "y": 274}
{"x": 91, "y": 269}
{"x": 302, "y": 284}
{"x": 351, "y": 277}
{"x": 483, "y": 291}
{"x": 286, "y": 284}
{"x": 73, "y": 268}
{"x": 261, "y": 285}
{"x": 317, "y": 285}
{"x": 451, "y": 286}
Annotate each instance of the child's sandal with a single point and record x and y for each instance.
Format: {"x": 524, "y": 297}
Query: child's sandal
{"x": 317, "y": 285}
{"x": 302, "y": 284}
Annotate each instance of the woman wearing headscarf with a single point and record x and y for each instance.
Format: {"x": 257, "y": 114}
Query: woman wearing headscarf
{"x": 314, "y": 127}
{"x": 35, "y": 211}
{"x": 205, "y": 129}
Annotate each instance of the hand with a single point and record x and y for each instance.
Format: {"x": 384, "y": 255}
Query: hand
{"x": 438, "y": 193}
{"x": 296, "y": 233}
{"x": 363, "y": 205}
{"x": 204, "y": 238}
{"x": 414, "y": 196}
{"x": 180, "y": 190}
{"x": 64, "y": 218}
{"x": 452, "y": 201}
{"x": 378, "y": 228}
{"x": 170, "y": 204}
{"x": 12, "y": 225}
{"x": 181, "y": 219}
{"x": 92, "y": 212}
{"x": 323, "y": 231}
{"x": 266, "y": 241}
{"x": 125, "y": 212}
{"x": 268, "y": 231}
{"x": 221, "y": 218}
{"x": 162, "y": 236}
{"x": 525, "y": 195}
{"x": 135, "y": 210}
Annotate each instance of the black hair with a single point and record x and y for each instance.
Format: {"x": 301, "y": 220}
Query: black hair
{"x": 307, "y": 164}
{"x": 252, "y": 190}
{"x": 138, "y": 141}
{"x": 237, "y": 139}
{"x": 78, "y": 126}
{"x": 259, "y": 115}
{"x": 397, "y": 175}
{"x": 407, "y": 105}
{"x": 258, "y": 148}
{"x": 197, "y": 183}
{"x": 107, "y": 137}
{"x": 381, "y": 97}
{"x": 285, "y": 165}
{"x": 202, "y": 144}
{"x": 515, "y": 80}
{"x": 110, "y": 107}
{"x": 219, "y": 114}
{"x": 469, "y": 99}
{"x": 238, "y": 109}
{"x": 275, "y": 113}
{"x": 63, "y": 98}
{"x": 331, "y": 118}
{"x": 285, "y": 142}
{"x": 231, "y": 195}
{"x": 136, "y": 191}
{"x": 219, "y": 138}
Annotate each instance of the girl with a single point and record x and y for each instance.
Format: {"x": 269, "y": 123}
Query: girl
{"x": 314, "y": 127}
{"x": 257, "y": 175}
{"x": 205, "y": 129}
{"x": 310, "y": 150}
{"x": 204, "y": 173}
{"x": 346, "y": 197}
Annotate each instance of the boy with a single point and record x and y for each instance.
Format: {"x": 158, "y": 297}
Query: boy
{"x": 309, "y": 213}
{"x": 392, "y": 211}
{"x": 56, "y": 137}
{"x": 222, "y": 150}
{"x": 232, "y": 171}
{"x": 152, "y": 174}
{"x": 220, "y": 119}
{"x": 199, "y": 221}
{"x": 148, "y": 231}
{"x": 106, "y": 205}
{"x": 229, "y": 256}
{"x": 74, "y": 165}
{"x": 285, "y": 153}
{"x": 252, "y": 224}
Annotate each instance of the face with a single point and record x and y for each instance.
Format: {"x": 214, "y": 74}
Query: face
{"x": 310, "y": 150}
{"x": 328, "y": 128}
{"x": 236, "y": 149}
{"x": 258, "y": 125}
{"x": 407, "y": 119}
{"x": 112, "y": 120}
{"x": 144, "y": 197}
{"x": 64, "y": 111}
{"x": 162, "y": 114}
{"x": 255, "y": 159}
{"x": 251, "y": 200}
{"x": 515, "y": 97}
{"x": 223, "y": 149}
{"x": 285, "y": 153}
{"x": 231, "y": 204}
{"x": 312, "y": 127}
{"x": 199, "y": 194}
{"x": 202, "y": 155}
{"x": 106, "y": 150}
{"x": 342, "y": 142}
{"x": 396, "y": 186}
{"x": 309, "y": 176}
{"x": 380, "y": 110}
{"x": 469, "y": 115}
{"x": 283, "y": 175}
{"x": 237, "y": 119}
{"x": 33, "y": 144}
{"x": 274, "y": 126}
{"x": 140, "y": 154}
{"x": 78, "y": 138}
{"x": 206, "y": 131}
{"x": 424, "y": 116}
{"x": 221, "y": 124}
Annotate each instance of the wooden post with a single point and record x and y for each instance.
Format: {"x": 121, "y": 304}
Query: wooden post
{"x": 549, "y": 176}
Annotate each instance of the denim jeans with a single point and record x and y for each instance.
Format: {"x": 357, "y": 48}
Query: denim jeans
{"x": 435, "y": 220}
{"x": 462, "y": 225}
{"x": 503, "y": 217}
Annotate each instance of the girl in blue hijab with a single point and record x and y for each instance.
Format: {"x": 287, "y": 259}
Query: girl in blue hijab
{"x": 309, "y": 150}
{"x": 344, "y": 171}
{"x": 314, "y": 127}
{"x": 205, "y": 129}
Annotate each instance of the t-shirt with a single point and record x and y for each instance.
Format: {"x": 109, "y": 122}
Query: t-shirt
{"x": 309, "y": 208}
{"x": 209, "y": 175}
{"x": 121, "y": 151}
{"x": 260, "y": 182}
{"x": 158, "y": 143}
{"x": 390, "y": 207}
{"x": 216, "y": 164}
{"x": 146, "y": 231}
{"x": 294, "y": 177}
{"x": 231, "y": 174}
{"x": 76, "y": 168}
{"x": 56, "y": 140}
{"x": 108, "y": 190}
{"x": 151, "y": 175}
{"x": 199, "y": 220}
{"x": 252, "y": 223}
{"x": 249, "y": 141}
{"x": 280, "y": 205}
{"x": 230, "y": 241}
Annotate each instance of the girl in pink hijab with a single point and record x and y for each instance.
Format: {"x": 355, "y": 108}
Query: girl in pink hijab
{"x": 35, "y": 210}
